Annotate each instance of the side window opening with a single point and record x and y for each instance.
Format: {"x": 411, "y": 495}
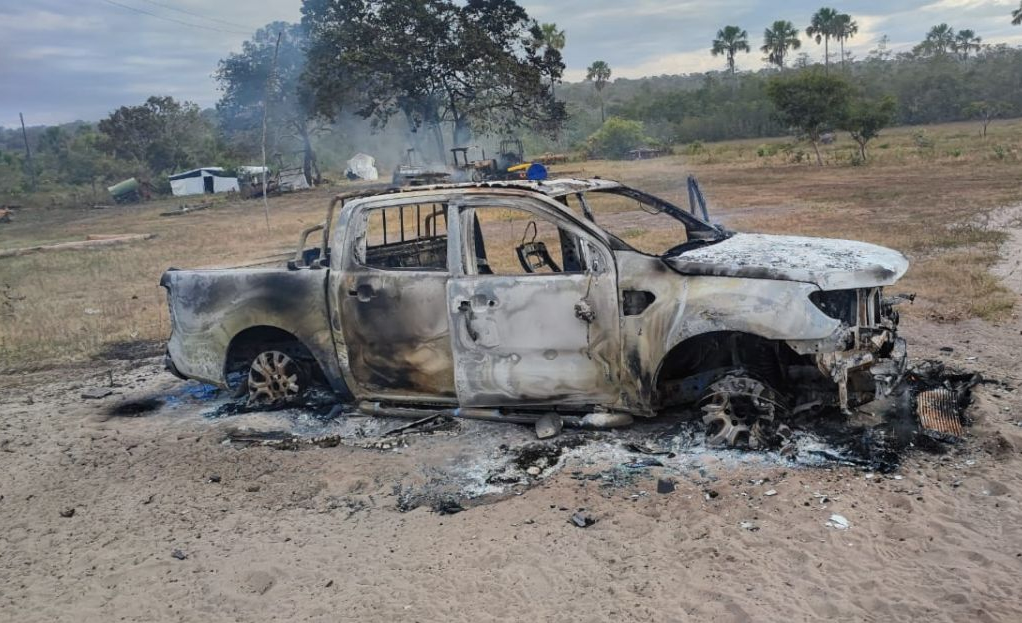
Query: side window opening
{"x": 407, "y": 237}
{"x": 512, "y": 241}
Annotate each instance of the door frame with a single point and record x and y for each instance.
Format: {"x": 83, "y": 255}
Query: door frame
{"x": 347, "y": 252}
{"x": 592, "y": 240}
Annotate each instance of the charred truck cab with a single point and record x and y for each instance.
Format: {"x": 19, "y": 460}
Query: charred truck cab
{"x": 584, "y": 299}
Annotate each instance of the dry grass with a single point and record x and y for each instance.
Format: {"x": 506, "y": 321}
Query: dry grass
{"x": 920, "y": 200}
{"x": 921, "y": 194}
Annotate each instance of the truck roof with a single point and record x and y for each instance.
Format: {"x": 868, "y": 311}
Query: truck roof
{"x": 551, "y": 188}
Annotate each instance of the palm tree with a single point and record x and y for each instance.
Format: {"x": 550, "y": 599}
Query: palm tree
{"x": 777, "y": 40}
{"x": 940, "y": 40}
{"x": 1016, "y": 15}
{"x": 599, "y": 74}
{"x": 552, "y": 38}
{"x": 966, "y": 41}
{"x": 822, "y": 27}
{"x": 844, "y": 28}
{"x": 730, "y": 41}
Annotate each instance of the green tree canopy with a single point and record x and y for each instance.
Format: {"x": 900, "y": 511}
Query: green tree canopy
{"x": 616, "y": 137}
{"x": 844, "y": 29}
{"x": 599, "y": 74}
{"x": 163, "y": 135}
{"x": 475, "y": 66}
{"x": 729, "y": 42}
{"x": 824, "y": 26}
{"x": 864, "y": 118}
{"x": 778, "y": 40}
{"x": 245, "y": 83}
{"x": 810, "y": 102}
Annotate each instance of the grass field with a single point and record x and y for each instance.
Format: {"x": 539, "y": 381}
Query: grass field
{"x": 924, "y": 192}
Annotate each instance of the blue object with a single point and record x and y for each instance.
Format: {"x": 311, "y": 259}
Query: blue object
{"x": 536, "y": 172}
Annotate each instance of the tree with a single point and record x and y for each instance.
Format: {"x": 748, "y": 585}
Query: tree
{"x": 938, "y": 42}
{"x": 550, "y": 36}
{"x": 823, "y": 27}
{"x": 245, "y": 81}
{"x": 475, "y": 66}
{"x": 548, "y": 39}
{"x": 162, "y": 134}
{"x": 985, "y": 111}
{"x": 1016, "y": 15}
{"x": 730, "y": 41}
{"x": 809, "y": 102}
{"x": 966, "y": 42}
{"x": 778, "y": 40}
{"x": 844, "y": 29}
{"x": 599, "y": 74}
{"x": 616, "y": 137}
{"x": 864, "y": 119}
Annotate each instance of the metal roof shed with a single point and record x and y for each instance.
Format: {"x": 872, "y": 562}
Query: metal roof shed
{"x": 205, "y": 180}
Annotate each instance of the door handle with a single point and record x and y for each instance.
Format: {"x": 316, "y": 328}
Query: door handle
{"x": 364, "y": 292}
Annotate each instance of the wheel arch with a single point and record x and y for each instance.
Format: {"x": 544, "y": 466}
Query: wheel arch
{"x": 249, "y": 342}
{"x": 722, "y": 350}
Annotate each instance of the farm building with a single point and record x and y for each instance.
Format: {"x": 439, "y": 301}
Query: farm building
{"x": 207, "y": 180}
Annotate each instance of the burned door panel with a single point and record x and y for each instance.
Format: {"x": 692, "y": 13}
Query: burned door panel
{"x": 391, "y": 293}
{"x": 533, "y": 338}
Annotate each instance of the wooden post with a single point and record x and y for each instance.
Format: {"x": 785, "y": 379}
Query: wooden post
{"x": 28, "y": 151}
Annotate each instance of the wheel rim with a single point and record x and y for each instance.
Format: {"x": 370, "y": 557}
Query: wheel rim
{"x": 740, "y": 411}
{"x": 273, "y": 378}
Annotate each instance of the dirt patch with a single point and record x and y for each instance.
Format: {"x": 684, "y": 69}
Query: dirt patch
{"x": 132, "y": 350}
{"x": 1009, "y": 269}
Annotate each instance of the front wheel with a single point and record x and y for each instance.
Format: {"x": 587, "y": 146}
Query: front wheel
{"x": 741, "y": 411}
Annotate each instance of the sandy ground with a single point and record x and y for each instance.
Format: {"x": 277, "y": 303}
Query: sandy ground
{"x": 325, "y": 534}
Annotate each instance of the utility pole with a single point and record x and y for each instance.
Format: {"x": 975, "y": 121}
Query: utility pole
{"x": 266, "y": 108}
{"x": 28, "y": 151}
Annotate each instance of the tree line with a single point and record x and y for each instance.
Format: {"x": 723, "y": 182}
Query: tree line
{"x": 434, "y": 70}
{"x": 440, "y": 73}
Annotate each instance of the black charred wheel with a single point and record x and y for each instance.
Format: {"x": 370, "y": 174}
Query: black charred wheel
{"x": 274, "y": 378}
{"x": 740, "y": 411}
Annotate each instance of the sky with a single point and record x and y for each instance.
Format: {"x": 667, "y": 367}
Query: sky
{"x": 65, "y": 60}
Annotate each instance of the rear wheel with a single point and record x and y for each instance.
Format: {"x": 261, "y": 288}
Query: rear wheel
{"x": 274, "y": 378}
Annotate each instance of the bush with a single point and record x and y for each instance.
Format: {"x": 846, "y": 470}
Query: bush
{"x": 616, "y": 138}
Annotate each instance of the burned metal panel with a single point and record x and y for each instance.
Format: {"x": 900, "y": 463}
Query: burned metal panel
{"x": 690, "y": 306}
{"x": 831, "y": 264}
{"x": 521, "y": 340}
{"x": 210, "y": 307}
{"x": 538, "y": 339}
{"x": 940, "y": 414}
{"x": 390, "y": 325}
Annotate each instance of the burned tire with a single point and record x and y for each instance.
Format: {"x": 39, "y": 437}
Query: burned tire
{"x": 740, "y": 411}
{"x": 275, "y": 379}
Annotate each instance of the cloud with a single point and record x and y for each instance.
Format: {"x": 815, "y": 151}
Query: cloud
{"x": 48, "y": 21}
{"x": 62, "y": 60}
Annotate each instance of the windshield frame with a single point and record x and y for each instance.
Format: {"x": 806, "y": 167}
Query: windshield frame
{"x": 700, "y": 232}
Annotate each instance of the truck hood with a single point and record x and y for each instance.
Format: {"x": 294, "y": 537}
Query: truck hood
{"x": 828, "y": 263}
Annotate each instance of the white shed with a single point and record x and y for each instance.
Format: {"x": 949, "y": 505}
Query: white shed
{"x": 207, "y": 180}
{"x": 362, "y": 166}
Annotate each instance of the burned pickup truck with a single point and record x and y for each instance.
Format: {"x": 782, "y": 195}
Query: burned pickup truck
{"x": 582, "y": 300}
